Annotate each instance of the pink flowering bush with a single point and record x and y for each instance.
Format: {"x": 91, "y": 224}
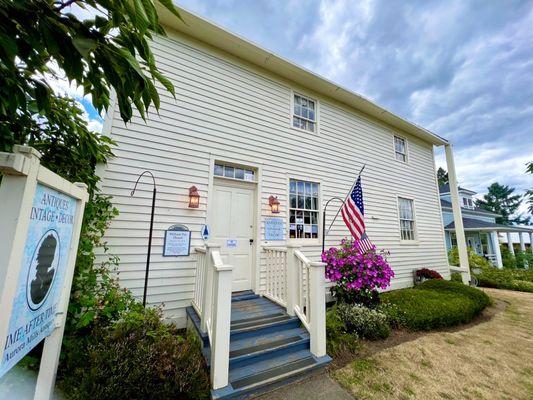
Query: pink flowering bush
{"x": 358, "y": 274}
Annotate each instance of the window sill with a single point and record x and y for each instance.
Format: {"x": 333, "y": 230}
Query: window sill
{"x": 315, "y": 132}
{"x": 305, "y": 242}
{"x": 409, "y": 242}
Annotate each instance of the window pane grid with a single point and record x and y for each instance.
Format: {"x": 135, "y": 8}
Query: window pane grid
{"x": 407, "y": 222}
{"x": 303, "y": 210}
{"x": 399, "y": 148}
{"x": 229, "y": 171}
{"x": 304, "y": 113}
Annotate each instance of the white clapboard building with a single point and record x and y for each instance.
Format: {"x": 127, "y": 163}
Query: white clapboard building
{"x": 249, "y": 129}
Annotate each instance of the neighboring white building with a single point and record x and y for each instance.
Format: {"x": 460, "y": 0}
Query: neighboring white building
{"x": 483, "y": 234}
{"x": 247, "y": 125}
{"x": 517, "y": 239}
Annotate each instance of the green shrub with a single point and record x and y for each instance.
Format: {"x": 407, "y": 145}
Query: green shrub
{"x": 508, "y": 259}
{"x": 479, "y": 297}
{"x": 511, "y": 279}
{"x": 395, "y": 315}
{"x": 456, "y": 277}
{"x": 437, "y": 304}
{"x": 474, "y": 260}
{"x": 366, "y": 322}
{"x": 139, "y": 357}
{"x": 338, "y": 338}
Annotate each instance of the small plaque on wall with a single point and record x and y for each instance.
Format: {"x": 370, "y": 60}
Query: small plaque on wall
{"x": 274, "y": 229}
{"x": 177, "y": 241}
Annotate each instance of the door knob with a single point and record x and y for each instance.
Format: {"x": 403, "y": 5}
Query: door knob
{"x": 251, "y": 241}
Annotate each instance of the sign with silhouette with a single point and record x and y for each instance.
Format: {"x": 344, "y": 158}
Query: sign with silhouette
{"x": 42, "y": 273}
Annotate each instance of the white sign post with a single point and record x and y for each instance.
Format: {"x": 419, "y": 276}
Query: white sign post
{"x": 41, "y": 217}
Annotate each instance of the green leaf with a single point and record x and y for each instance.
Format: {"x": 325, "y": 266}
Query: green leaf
{"x": 164, "y": 81}
{"x": 42, "y": 93}
{"x": 84, "y": 45}
{"x": 170, "y": 7}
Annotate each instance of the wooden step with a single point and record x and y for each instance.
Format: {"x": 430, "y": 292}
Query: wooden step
{"x": 268, "y": 348}
{"x": 253, "y": 349}
{"x": 266, "y": 375}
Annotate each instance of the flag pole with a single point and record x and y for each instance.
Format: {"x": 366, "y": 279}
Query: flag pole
{"x": 346, "y": 198}
{"x": 338, "y": 211}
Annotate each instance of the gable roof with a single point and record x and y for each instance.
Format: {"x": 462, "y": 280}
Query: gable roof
{"x": 470, "y": 224}
{"x": 475, "y": 211}
{"x": 216, "y": 36}
{"x": 443, "y": 189}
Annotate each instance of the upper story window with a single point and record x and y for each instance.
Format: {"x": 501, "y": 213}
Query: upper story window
{"x": 229, "y": 171}
{"x": 467, "y": 202}
{"x": 303, "y": 209}
{"x": 304, "y": 113}
{"x": 406, "y": 212}
{"x": 400, "y": 149}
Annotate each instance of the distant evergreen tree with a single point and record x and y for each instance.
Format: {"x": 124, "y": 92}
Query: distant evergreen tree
{"x": 442, "y": 176}
{"x": 501, "y": 200}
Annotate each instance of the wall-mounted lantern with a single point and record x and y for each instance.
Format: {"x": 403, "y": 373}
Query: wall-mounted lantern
{"x": 273, "y": 202}
{"x": 194, "y": 197}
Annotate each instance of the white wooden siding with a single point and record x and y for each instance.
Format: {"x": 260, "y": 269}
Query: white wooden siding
{"x": 229, "y": 110}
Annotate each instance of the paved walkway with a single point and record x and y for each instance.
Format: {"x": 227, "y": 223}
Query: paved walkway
{"x": 317, "y": 387}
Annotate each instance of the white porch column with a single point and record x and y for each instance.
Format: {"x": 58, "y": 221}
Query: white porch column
{"x": 531, "y": 242}
{"x": 456, "y": 208}
{"x": 496, "y": 248}
{"x": 510, "y": 242}
{"x": 523, "y": 248}
{"x": 522, "y": 243}
{"x": 317, "y": 291}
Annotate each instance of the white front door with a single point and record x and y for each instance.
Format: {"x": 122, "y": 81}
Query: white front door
{"x": 232, "y": 227}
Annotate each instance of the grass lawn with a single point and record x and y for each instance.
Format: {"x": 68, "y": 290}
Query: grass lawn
{"x": 489, "y": 360}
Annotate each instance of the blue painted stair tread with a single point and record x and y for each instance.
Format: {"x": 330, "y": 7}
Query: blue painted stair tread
{"x": 268, "y": 347}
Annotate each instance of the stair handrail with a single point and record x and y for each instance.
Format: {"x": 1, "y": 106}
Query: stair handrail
{"x": 310, "y": 299}
{"x": 218, "y": 318}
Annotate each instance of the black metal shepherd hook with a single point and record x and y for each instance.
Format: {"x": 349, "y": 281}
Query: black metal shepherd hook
{"x": 324, "y": 220}
{"x": 338, "y": 211}
{"x": 150, "y": 234}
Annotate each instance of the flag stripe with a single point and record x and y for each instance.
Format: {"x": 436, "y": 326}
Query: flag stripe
{"x": 353, "y": 212}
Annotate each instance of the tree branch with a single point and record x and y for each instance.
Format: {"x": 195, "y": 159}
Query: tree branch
{"x": 65, "y": 5}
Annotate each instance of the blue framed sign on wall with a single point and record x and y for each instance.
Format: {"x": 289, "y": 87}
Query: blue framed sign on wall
{"x": 177, "y": 241}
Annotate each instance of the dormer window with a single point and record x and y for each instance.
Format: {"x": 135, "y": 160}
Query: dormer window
{"x": 467, "y": 202}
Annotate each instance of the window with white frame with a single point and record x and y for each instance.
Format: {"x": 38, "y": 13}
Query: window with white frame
{"x": 303, "y": 209}
{"x": 407, "y": 218}
{"x": 400, "y": 149}
{"x": 467, "y": 202}
{"x": 233, "y": 172}
{"x": 304, "y": 113}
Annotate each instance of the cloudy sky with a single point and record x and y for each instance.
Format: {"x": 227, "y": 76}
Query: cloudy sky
{"x": 462, "y": 69}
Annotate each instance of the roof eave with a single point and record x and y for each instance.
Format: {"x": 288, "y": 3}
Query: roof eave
{"x": 214, "y": 35}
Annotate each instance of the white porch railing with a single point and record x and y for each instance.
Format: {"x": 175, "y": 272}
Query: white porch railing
{"x": 276, "y": 272}
{"x": 201, "y": 260}
{"x": 493, "y": 259}
{"x": 299, "y": 285}
{"x": 212, "y": 301}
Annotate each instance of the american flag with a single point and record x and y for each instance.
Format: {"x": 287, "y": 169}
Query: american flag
{"x": 353, "y": 214}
